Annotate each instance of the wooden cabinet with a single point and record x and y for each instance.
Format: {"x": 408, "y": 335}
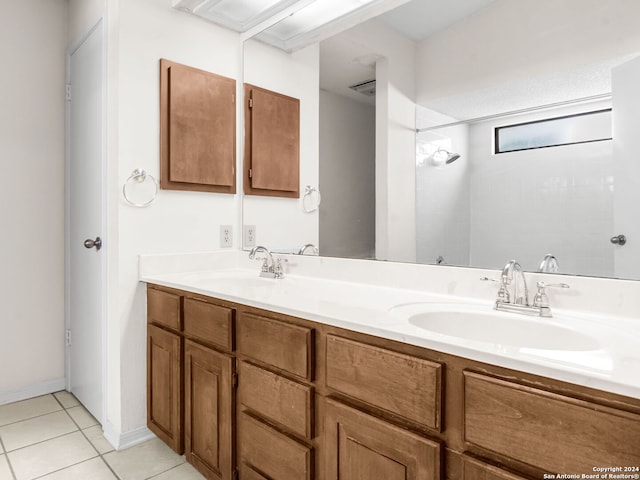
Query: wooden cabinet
{"x": 191, "y": 378}
{"x": 209, "y": 411}
{"x": 197, "y": 129}
{"x": 272, "y": 143}
{"x": 276, "y": 398}
{"x": 553, "y": 432}
{"x": 473, "y": 469}
{"x": 164, "y": 380}
{"x": 267, "y": 450}
{"x": 316, "y": 402}
{"x": 360, "y": 446}
{"x": 401, "y": 384}
{"x": 281, "y": 345}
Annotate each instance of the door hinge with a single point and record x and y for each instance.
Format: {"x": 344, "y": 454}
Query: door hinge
{"x": 68, "y": 92}
{"x": 67, "y": 337}
{"x": 234, "y": 380}
{"x": 251, "y": 103}
{"x": 233, "y": 98}
{"x": 250, "y": 173}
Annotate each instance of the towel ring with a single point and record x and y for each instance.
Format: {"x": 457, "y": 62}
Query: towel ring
{"x": 138, "y": 176}
{"x": 311, "y": 199}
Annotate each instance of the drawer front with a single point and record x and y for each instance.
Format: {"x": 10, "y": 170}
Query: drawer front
{"x": 277, "y": 399}
{"x": 209, "y": 322}
{"x": 549, "y": 431}
{"x": 248, "y": 473}
{"x": 473, "y": 469}
{"x": 282, "y": 345}
{"x": 163, "y": 308}
{"x": 268, "y": 451}
{"x": 401, "y": 384}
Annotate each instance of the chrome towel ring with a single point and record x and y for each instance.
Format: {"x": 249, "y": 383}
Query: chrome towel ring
{"x": 311, "y": 199}
{"x": 138, "y": 176}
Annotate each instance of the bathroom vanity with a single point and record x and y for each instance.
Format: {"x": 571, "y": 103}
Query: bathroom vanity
{"x": 253, "y": 391}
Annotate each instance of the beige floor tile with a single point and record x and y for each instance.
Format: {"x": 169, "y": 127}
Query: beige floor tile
{"x": 50, "y": 456}
{"x": 82, "y": 417}
{"x": 94, "y": 469}
{"x": 15, "y": 412}
{"x": 143, "y": 461}
{"x": 66, "y": 399}
{"x": 95, "y": 436}
{"x": 27, "y": 432}
{"x": 5, "y": 471}
{"x": 181, "y": 472}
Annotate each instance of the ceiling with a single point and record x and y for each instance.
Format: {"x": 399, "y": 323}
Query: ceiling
{"x": 344, "y": 62}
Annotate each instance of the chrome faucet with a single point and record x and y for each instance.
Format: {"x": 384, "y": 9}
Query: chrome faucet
{"x": 549, "y": 264}
{"x": 517, "y": 300}
{"x": 313, "y": 248}
{"x": 509, "y": 271}
{"x": 270, "y": 268}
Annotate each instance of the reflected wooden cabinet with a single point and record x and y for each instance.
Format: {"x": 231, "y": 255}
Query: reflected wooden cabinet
{"x": 272, "y": 143}
{"x": 197, "y": 129}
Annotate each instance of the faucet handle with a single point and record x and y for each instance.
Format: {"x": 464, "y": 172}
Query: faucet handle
{"x": 540, "y": 299}
{"x": 503, "y": 293}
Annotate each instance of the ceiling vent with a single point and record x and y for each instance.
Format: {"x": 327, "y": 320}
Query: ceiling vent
{"x": 367, "y": 88}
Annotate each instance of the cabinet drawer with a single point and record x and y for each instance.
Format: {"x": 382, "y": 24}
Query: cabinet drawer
{"x": 473, "y": 469}
{"x": 163, "y": 308}
{"x": 549, "y": 431}
{"x": 404, "y": 385}
{"x": 276, "y": 398}
{"x": 268, "y": 451}
{"x": 209, "y": 322}
{"x": 282, "y": 345}
{"x": 248, "y": 473}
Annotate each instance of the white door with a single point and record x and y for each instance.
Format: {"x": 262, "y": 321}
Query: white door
{"x": 85, "y": 260}
{"x": 626, "y": 145}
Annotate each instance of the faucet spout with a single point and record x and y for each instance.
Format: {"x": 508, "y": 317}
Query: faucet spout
{"x": 260, "y": 248}
{"x": 270, "y": 268}
{"x": 311, "y": 246}
{"x": 509, "y": 272}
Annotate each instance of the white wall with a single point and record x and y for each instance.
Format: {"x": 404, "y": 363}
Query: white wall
{"x": 556, "y": 200}
{"x": 281, "y": 223}
{"x": 347, "y": 177}
{"x": 32, "y": 47}
{"x": 178, "y": 221}
{"x": 626, "y": 144}
{"x": 442, "y": 192}
{"x": 395, "y": 139}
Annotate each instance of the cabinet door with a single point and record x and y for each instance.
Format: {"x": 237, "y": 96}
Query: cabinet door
{"x": 164, "y": 379}
{"x": 361, "y": 447}
{"x": 272, "y": 143}
{"x": 209, "y": 411}
{"x": 473, "y": 469}
{"x": 197, "y": 129}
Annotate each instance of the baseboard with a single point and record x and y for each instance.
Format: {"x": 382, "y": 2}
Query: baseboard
{"x": 122, "y": 441}
{"x": 30, "y": 391}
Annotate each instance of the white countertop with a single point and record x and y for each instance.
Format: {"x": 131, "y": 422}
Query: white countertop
{"x": 613, "y": 364}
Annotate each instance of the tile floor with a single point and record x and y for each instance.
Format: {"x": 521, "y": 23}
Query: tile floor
{"x": 53, "y": 437}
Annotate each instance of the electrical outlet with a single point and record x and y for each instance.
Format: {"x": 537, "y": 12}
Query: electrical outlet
{"x": 226, "y": 236}
{"x": 249, "y": 237}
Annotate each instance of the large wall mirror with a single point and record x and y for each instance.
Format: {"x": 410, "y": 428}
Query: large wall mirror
{"x": 398, "y": 133}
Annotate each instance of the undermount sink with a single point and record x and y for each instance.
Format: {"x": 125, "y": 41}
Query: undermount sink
{"x": 483, "y": 324}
